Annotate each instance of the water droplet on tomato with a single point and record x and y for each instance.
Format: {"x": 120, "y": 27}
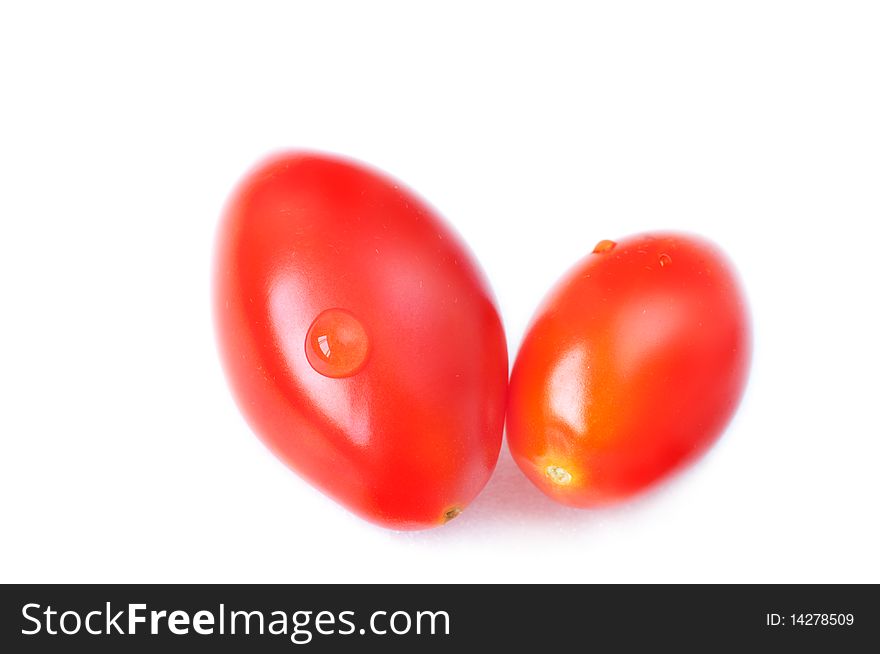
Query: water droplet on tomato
{"x": 337, "y": 344}
{"x": 665, "y": 260}
{"x": 604, "y": 246}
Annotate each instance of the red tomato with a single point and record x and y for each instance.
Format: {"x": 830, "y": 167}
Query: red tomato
{"x": 632, "y": 367}
{"x": 360, "y": 339}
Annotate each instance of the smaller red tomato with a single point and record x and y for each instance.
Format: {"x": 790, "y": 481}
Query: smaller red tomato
{"x": 632, "y": 367}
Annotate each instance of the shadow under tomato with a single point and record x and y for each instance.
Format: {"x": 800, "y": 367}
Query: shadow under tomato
{"x": 509, "y": 502}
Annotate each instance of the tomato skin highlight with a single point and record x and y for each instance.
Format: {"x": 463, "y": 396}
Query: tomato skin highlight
{"x": 632, "y": 367}
{"x": 360, "y": 339}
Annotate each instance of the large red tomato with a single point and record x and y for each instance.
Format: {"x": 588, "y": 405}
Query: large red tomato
{"x": 633, "y": 365}
{"x": 360, "y": 339}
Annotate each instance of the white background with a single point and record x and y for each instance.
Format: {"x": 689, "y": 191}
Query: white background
{"x": 537, "y": 130}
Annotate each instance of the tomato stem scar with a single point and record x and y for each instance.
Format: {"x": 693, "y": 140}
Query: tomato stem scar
{"x": 604, "y": 246}
{"x": 452, "y": 513}
{"x": 558, "y": 475}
